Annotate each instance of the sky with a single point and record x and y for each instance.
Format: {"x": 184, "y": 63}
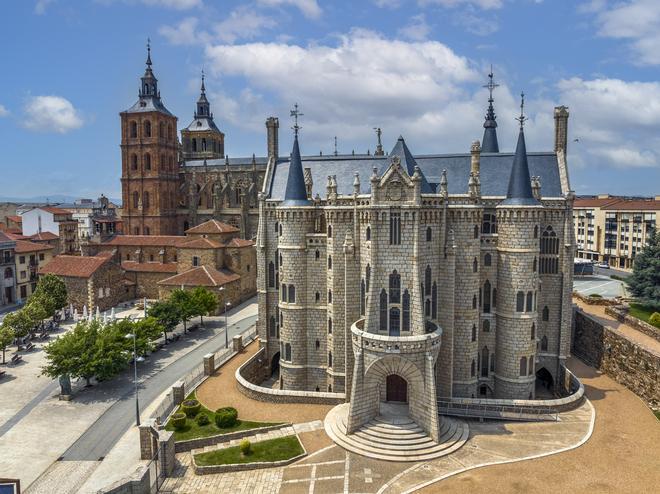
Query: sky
{"x": 411, "y": 67}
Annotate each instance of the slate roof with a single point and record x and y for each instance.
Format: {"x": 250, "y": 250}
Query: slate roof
{"x": 201, "y": 276}
{"x": 148, "y": 104}
{"x": 149, "y": 267}
{"x": 74, "y": 266}
{"x": 213, "y": 226}
{"x": 519, "y": 192}
{"x": 202, "y": 123}
{"x": 295, "y": 193}
{"x": 408, "y": 162}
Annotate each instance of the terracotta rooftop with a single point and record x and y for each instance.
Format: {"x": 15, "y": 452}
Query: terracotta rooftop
{"x": 239, "y": 242}
{"x": 54, "y": 210}
{"x": 201, "y": 276}
{"x": 4, "y": 237}
{"x": 589, "y": 202}
{"x": 634, "y": 205}
{"x": 15, "y": 219}
{"x": 44, "y": 236}
{"x": 200, "y": 243}
{"x": 74, "y": 266}
{"x": 12, "y": 233}
{"x": 149, "y": 267}
{"x": 213, "y": 226}
{"x": 146, "y": 240}
{"x": 23, "y": 247}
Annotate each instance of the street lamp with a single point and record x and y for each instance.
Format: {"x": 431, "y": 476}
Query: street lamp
{"x": 227, "y": 305}
{"x": 135, "y": 361}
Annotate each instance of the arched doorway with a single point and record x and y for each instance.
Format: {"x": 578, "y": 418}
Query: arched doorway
{"x": 275, "y": 365}
{"x": 544, "y": 381}
{"x": 396, "y": 388}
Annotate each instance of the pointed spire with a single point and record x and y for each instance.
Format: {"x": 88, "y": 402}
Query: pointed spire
{"x": 149, "y": 53}
{"x": 489, "y": 142}
{"x": 296, "y": 192}
{"x": 408, "y": 163}
{"x": 520, "y": 187}
{"x": 379, "y": 148}
{"x": 203, "y": 88}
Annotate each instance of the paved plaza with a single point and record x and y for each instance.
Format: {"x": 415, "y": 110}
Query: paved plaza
{"x": 601, "y": 285}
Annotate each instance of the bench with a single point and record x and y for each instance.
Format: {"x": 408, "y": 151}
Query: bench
{"x": 2, "y": 373}
{"x": 29, "y": 346}
{"x": 16, "y": 359}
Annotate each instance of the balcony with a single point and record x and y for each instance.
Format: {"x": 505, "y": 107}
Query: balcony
{"x": 397, "y": 344}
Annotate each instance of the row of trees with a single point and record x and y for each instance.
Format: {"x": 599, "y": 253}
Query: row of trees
{"x": 182, "y": 306}
{"x": 47, "y": 299}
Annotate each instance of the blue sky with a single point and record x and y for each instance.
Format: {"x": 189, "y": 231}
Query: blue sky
{"x": 412, "y": 67}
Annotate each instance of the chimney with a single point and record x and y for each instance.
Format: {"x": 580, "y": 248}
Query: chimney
{"x": 475, "y": 151}
{"x": 561, "y": 128}
{"x": 272, "y": 127}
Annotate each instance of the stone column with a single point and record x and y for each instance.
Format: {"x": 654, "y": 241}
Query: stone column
{"x": 178, "y": 392}
{"x": 237, "y": 343}
{"x": 209, "y": 364}
{"x": 147, "y": 447}
{"x": 166, "y": 455}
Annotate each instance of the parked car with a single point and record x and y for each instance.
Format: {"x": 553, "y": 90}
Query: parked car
{"x": 603, "y": 265}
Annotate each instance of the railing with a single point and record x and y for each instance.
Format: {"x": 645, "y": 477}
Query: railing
{"x": 500, "y": 412}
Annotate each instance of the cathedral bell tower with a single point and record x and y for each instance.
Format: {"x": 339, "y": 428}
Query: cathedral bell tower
{"x": 202, "y": 139}
{"x": 150, "y": 169}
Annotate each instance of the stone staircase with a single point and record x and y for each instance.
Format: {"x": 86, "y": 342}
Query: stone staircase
{"x": 395, "y": 438}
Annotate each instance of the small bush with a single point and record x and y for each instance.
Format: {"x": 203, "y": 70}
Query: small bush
{"x": 178, "y": 420}
{"x": 202, "y": 419}
{"x": 226, "y": 417}
{"x": 655, "y": 319}
{"x": 595, "y": 295}
{"x": 191, "y": 407}
{"x": 245, "y": 447}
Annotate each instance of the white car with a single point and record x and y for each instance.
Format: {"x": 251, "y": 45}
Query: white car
{"x": 603, "y": 265}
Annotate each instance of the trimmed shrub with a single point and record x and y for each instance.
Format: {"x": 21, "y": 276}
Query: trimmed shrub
{"x": 202, "y": 419}
{"x": 245, "y": 447}
{"x": 595, "y": 295}
{"x": 191, "y": 407}
{"x": 655, "y": 319}
{"x": 178, "y": 420}
{"x": 226, "y": 417}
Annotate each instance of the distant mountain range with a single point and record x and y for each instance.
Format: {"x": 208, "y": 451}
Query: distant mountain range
{"x": 54, "y": 199}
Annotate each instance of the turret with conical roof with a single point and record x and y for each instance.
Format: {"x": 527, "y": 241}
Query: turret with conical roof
{"x": 489, "y": 142}
{"x": 202, "y": 139}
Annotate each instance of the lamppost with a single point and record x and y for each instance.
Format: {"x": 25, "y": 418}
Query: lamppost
{"x": 133, "y": 335}
{"x": 227, "y": 305}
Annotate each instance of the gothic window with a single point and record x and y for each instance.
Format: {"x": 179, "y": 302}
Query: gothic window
{"x": 363, "y": 297}
{"x": 271, "y": 274}
{"x": 283, "y": 292}
{"x": 276, "y": 227}
{"x": 434, "y": 301}
{"x": 147, "y": 230}
{"x": 368, "y": 233}
{"x": 427, "y": 308}
{"x": 533, "y": 331}
{"x": 147, "y": 128}
{"x": 329, "y": 325}
{"x": 280, "y": 229}
{"x": 287, "y": 352}
{"x": 194, "y": 145}
{"x": 147, "y": 161}
{"x": 544, "y": 343}
{"x": 472, "y": 368}
{"x": 281, "y": 263}
{"x": 161, "y": 130}
{"x": 474, "y": 301}
{"x": 534, "y": 266}
{"x": 145, "y": 201}
{"x": 530, "y": 302}
{"x": 292, "y": 294}
{"x": 383, "y": 310}
{"x": 494, "y": 297}
{"x": 405, "y": 306}
{"x": 487, "y": 260}
{"x": 429, "y": 234}
{"x": 318, "y": 297}
{"x": 134, "y": 128}
{"x": 546, "y": 314}
{"x": 486, "y": 325}
{"x": 475, "y": 265}
{"x": 484, "y": 361}
{"x": 169, "y": 131}
{"x": 523, "y": 366}
{"x": 395, "y": 229}
{"x": 317, "y": 345}
{"x": 492, "y": 362}
{"x": 395, "y": 321}
{"x": 272, "y": 329}
{"x": 549, "y": 252}
{"x": 489, "y": 224}
{"x": 368, "y": 276}
{"x": 474, "y": 333}
{"x": 136, "y": 200}
{"x": 520, "y": 302}
{"x": 128, "y": 257}
{"x": 134, "y": 162}
{"x": 530, "y": 367}
{"x": 395, "y": 287}
{"x": 329, "y": 296}
{"x": 317, "y": 255}
{"x": 486, "y": 304}
{"x": 427, "y": 280}
{"x": 329, "y": 231}
{"x": 329, "y": 262}
{"x": 536, "y": 231}
{"x": 136, "y": 230}
{"x": 329, "y": 359}
{"x": 476, "y": 231}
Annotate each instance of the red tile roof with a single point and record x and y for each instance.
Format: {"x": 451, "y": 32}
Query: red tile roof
{"x": 54, "y": 210}
{"x": 594, "y": 202}
{"x": 634, "y": 205}
{"x": 74, "y": 266}
{"x": 201, "y": 276}
{"x": 213, "y": 226}
{"x": 149, "y": 267}
{"x": 146, "y": 240}
{"x": 23, "y": 247}
{"x": 44, "y": 236}
{"x": 10, "y": 232}
{"x": 239, "y": 242}
{"x": 15, "y": 219}
{"x": 200, "y": 243}
{"x": 4, "y": 237}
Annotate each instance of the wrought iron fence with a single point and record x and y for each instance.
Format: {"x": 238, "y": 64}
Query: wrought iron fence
{"x": 504, "y": 412}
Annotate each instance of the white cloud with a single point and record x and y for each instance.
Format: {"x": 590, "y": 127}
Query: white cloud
{"x": 476, "y": 22}
{"x": 41, "y": 6}
{"x": 417, "y": 29}
{"x": 387, "y": 4}
{"x": 243, "y": 23}
{"x": 482, "y": 4}
{"x": 3, "y": 111}
{"x": 634, "y": 20}
{"x": 174, "y": 4}
{"x": 309, "y": 8}
{"x": 184, "y": 33}
{"x": 51, "y": 114}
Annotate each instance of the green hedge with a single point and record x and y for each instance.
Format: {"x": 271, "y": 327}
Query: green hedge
{"x": 226, "y": 417}
{"x": 178, "y": 420}
{"x": 191, "y": 408}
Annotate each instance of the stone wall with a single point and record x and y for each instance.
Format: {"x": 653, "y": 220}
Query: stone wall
{"x": 620, "y": 314}
{"x": 625, "y": 361}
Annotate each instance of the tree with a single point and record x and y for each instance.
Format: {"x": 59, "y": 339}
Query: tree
{"x": 644, "y": 283}
{"x": 55, "y": 289}
{"x": 166, "y": 314}
{"x": 204, "y": 301}
{"x": 36, "y": 312}
{"x": 112, "y": 351}
{"x": 149, "y": 330}
{"x": 183, "y": 302}
{"x": 20, "y": 321}
{"x": 45, "y": 302}
{"x": 6, "y": 337}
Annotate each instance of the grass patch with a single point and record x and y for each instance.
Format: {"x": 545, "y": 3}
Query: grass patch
{"x": 617, "y": 277}
{"x": 281, "y": 448}
{"x": 641, "y": 312}
{"x": 657, "y": 414}
{"x": 192, "y": 430}
{"x": 595, "y": 295}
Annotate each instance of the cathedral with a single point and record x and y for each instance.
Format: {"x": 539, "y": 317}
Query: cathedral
{"x": 170, "y": 186}
{"x": 408, "y": 278}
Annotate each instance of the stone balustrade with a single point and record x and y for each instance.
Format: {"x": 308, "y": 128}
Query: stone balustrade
{"x": 396, "y": 344}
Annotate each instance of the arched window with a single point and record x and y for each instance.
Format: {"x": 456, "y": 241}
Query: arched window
{"x": 544, "y": 343}
{"x": 317, "y": 345}
{"x": 368, "y": 276}
{"x": 272, "y": 328}
{"x": 368, "y": 233}
{"x": 523, "y": 366}
{"x": 494, "y": 297}
{"x": 434, "y": 301}
{"x": 549, "y": 251}
{"x": 427, "y": 280}
{"x": 472, "y": 368}
{"x": 329, "y": 325}
{"x": 530, "y": 302}
{"x": 329, "y": 262}
{"x": 405, "y": 306}
{"x": 194, "y": 145}
{"x": 169, "y": 131}
{"x": 287, "y": 352}
{"x": 486, "y": 325}
{"x": 276, "y": 227}
{"x": 329, "y": 231}
{"x": 203, "y": 144}
{"x": 318, "y": 297}
{"x": 474, "y": 333}
{"x": 317, "y": 254}
{"x": 329, "y": 296}
{"x": 534, "y": 266}
{"x": 292, "y": 294}
{"x": 530, "y": 365}
{"x": 492, "y": 362}
{"x": 520, "y": 302}
{"x": 474, "y": 301}
{"x": 383, "y": 310}
{"x": 147, "y": 128}
{"x": 429, "y": 234}
{"x": 136, "y": 200}
{"x": 487, "y": 260}
{"x": 134, "y": 129}
{"x": 271, "y": 274}
{"x": 145, "y": 201}
{"x": 536, "y": 231}
{"x": 427, "y": 308}
{"x": 363, "y": 298}
{"x": 395, "y": 287}
{"x": 486, "y": 304}
{"x": 161, "y": 130}
{"x": 546, "y": 314}
{"x": 283, "y": 292}
{"x": 533, "y": 331}
{"x": 476, "y": 231}
{"x": 475, "y": 265}
{"x": 484, "y": 361}
{"x": 280, "y": 229}
{"x": 147, "y": 161}
{"x": 395, "y": 322}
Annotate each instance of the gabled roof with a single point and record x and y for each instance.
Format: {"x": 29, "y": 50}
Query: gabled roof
{"x": 4, "y": 238}
{"x": 200, "y": 243}
{"x": 146, "y": 240}
{"x": 149, "y": 267}
{"x": 239, "y": 242}
{"x": 44, "y": 236}
{"x": 212, "y": 226}
{"x": 15, "y": 218}
{"x": 74, "y": 266}
{"x": 54, "y": 210}
{"x": 201, "y": 276}
{"x": 23, "y": 247}
{"x": 408, "y": 163}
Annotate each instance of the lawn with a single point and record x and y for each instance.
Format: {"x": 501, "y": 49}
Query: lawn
{"x": 641, "y": 312}
{"x": 192, "y": 430}
{"x": 281, "y": 448}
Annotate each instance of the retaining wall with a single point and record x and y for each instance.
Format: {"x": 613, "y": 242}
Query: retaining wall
{"x": 201, "y": 442}
{"x": 620, "y": 313}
